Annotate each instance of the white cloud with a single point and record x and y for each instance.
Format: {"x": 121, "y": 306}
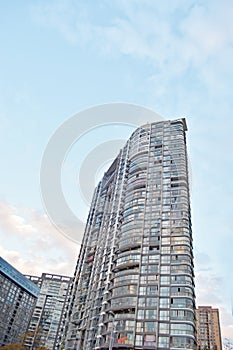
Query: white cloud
{"x": 185, "y": 31}
{"x": 35, "y": 263}
{"x": 12, "y": 222}
{"x": 186, "y": 45}
{"x": 212, "y": 291}
{"x": 36, "y": 241}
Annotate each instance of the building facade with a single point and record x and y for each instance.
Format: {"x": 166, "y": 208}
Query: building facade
{"x": 208, "y": 328}
{"x": 17, "y": 299}
{"x": 134, "y": 279}
{"x": 48, "y": 319}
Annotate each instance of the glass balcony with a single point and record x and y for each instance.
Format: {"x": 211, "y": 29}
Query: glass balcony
{"x": 128, "y": 261}
{"x": 123, "y": 303}
{"x": 130, "y": 242}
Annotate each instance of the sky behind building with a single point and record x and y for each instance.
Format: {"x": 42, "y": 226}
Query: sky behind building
{"x": 60, "y": 57}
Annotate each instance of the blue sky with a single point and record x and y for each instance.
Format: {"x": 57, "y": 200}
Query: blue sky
{"x": 60, "y": 57}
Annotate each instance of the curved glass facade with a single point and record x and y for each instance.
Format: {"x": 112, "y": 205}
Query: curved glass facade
{"x": 134, "y": 283}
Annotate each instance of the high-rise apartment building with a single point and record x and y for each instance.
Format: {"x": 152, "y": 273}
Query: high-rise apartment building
{"x": 208, "y": 328}
{"x": 134, "y": 280}
{"x": 48, "y": 319}
{"x": 17, "y": 299}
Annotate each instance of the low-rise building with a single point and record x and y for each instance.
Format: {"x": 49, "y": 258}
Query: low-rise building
{"x": 18, "y": 296}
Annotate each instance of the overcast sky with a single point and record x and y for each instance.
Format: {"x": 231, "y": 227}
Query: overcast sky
{"x": 60, "y": 57}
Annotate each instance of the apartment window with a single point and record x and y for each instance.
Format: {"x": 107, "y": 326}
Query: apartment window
{"x": 151, "y": 302}
{"x": 164, "y": 291}
{"x": 163, "y": 342}
{"x": 164, "y": 328}
{"x": 164, "y": 280}
{"x": 151, "y": 314}
{"x": 140, "y": 315}
{"x": 138, "y": 341}
{"x": 164, "y": 302}
{"x": 164, "y": 315}
{"x": 139, "y": 327}
{"x": 165, "y": 259}
{"x": 165, "y": 269}
{"x": 150, "y": 326}
{"x": 152, "y": 290}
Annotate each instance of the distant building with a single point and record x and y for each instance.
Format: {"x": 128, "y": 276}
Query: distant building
{"x": 208, "y": 329}
{"x": 17, "y": 300}
{"x": 48, "y": 320}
